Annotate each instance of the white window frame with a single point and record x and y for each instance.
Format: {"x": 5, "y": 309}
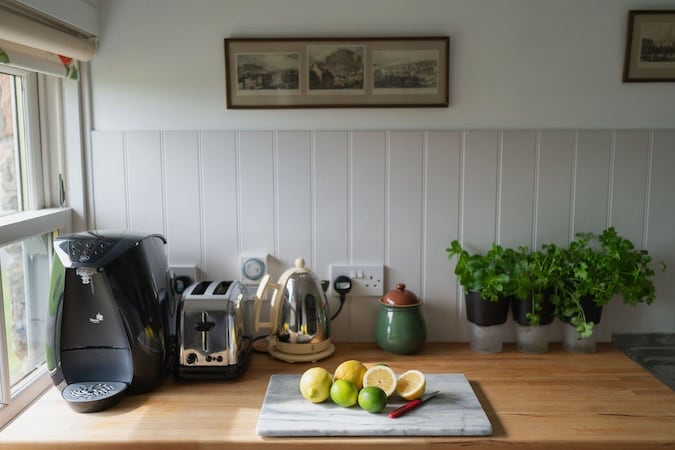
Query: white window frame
{"x": 47, "y": 133}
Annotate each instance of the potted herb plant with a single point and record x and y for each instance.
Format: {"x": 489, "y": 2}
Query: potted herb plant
{"x": 536, "y": 279}
{"x": 487, "y": 285}
{"x": 595, "y": 269}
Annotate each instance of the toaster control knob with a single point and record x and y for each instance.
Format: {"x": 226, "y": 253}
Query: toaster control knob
{"x": 191, "y": 358}
{"x": 208, "y": 358}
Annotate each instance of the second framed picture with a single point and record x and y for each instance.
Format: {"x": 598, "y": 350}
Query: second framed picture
{"x": 337, "y": 72}
{"x": 650, "y": 46}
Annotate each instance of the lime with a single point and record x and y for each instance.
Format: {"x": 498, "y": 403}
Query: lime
{"x": 352, "y": 371}
{"x": 315, "y": 384}
{"x": 344, "y": 393}
{"x": 381, "y": 376}
{"x": 373, "y": 399}
{"x": 411, "y": 385}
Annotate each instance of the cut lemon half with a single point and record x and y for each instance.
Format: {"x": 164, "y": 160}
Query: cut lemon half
{"x": 411, "y": 385}
{"x": 381, "y": 376}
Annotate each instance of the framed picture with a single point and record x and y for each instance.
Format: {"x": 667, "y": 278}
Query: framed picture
{"x": 650, "y": 46}
{"x": 337, "y": 72}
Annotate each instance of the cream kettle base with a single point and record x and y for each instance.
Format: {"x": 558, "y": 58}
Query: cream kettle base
{"x": 300, "y": 352}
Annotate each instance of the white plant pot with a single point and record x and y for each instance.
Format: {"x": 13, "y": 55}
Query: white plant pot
{"x": 573, "y": 343}
{"x": 486, "y": 339}
{"x": 532, "y": 338}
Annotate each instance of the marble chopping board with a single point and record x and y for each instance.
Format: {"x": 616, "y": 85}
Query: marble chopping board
{"x": 455, "y": 411}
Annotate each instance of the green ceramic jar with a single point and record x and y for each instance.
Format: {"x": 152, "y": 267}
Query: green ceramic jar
{"x": 400, "y": 326}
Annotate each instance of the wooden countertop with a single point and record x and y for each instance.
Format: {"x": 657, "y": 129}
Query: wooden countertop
{"x": 553, "y": 400}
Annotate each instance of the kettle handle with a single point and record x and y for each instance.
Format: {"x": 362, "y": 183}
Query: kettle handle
{"x": 259, "y": 295}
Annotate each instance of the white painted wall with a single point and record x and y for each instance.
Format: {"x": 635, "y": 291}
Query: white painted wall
{"x": 513, "y": 63}
{"x": 77, "y": 13}
{"x": 541, "y": 140}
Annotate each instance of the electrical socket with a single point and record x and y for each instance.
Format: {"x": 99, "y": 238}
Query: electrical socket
{"x": 189, "y": 271}
{"x": 186, "y": 271}
{"x": 367, "y": 280}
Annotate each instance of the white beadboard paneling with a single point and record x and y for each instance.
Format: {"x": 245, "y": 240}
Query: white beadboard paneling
{"x": 591, "y": 188}
{"x": 256, "y": 191}
{"x": 396, "y": 197}
{"x": 479, "y": 203}
{"x": 144, "y": 169}
{"x": 368, "y": 228}
{"x": 293, "y": 182}
{"x": 480, "y": 181}
{"x": 368, "y": 196}
{"x": 219, "y": 205}
{"x": 660, "y": 316}
{"x": 331, "y": 207}
{"x": 331, "y": 199}
{"x": 629, "y": 183}
{"x": 629, "y": 188}
{"x": 442, "y": 178}
{"x": 519, "y": 156}
{"x": 183, "y": 212}
{"x": 108, "y": 180}
{"x": 554, "y": 203}
{"x": 516, "y": 205}
{"x": 404, "y": 210}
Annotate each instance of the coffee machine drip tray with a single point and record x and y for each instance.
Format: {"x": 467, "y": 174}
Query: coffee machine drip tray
{"x": 92, "y": 396}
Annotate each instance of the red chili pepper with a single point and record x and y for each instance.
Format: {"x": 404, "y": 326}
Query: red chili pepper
{"x": 65, "y": 59}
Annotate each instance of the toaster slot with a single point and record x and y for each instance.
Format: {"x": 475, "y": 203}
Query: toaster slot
{"x": 222, "y": 288}
{"x": 200, "y": 288}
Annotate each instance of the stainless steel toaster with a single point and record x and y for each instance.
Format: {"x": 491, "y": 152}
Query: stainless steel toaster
{"x": 211, "y": 331}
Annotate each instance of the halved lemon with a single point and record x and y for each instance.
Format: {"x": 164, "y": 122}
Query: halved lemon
{"x": 411, "y": 385}
{"x": 381, "y": 376}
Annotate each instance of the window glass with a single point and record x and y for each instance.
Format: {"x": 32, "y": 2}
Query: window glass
{"x": 10, "y": 139}
{"x": 31, "y": 108}
{"x": 25, "y": 292}
{"x": 25, "y": 259}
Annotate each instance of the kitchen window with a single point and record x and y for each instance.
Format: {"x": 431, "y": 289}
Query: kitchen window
{"x": 28, "y": 102}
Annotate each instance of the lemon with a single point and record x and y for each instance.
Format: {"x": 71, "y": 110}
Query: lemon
{"x": 411, "y": 385}
{"x": 352, "y": 371}
{"x": 315, "y": 384}
{"x": 344, "y": 393}
{"x": 373, "y": 399}
{"x": 381, "y": 376}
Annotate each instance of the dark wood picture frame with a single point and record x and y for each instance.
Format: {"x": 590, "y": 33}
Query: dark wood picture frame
{"x": 263, "y": 73}
{"x": 650, "y": 48}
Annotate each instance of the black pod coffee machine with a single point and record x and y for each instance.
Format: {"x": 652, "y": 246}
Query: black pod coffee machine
{"x": 112, "y": 315}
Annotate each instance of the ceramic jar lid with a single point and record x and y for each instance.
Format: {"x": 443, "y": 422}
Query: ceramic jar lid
{"x": 400, "y": 297}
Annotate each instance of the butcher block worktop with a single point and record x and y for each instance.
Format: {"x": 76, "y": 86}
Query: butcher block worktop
{"x": 553, "y": 400}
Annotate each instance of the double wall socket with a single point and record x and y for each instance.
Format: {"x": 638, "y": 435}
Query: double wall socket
{"x": 367, "y": 280}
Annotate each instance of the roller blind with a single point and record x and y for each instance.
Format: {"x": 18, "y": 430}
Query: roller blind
{"x": 31, "y": 44}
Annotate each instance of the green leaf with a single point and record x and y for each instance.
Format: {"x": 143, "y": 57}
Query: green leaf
{"x": 4, "y": 57}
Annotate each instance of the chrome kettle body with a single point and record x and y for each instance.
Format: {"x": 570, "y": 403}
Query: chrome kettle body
{"x": 299, "y": 319}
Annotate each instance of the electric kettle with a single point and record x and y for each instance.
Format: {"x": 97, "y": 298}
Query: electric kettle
{"x": 298, "y": 319}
